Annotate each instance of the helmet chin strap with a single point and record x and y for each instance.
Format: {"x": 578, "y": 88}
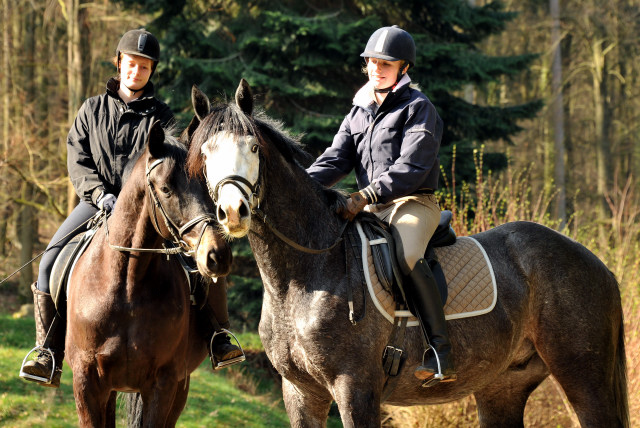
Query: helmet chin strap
{"x": 384, "y": 90}
{"x": 133, "y": 91}
{"x": 390, "y": 88}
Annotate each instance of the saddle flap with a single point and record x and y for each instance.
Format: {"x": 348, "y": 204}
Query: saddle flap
{"x": 62, "y": 266}
{"x": 381, "y": 243}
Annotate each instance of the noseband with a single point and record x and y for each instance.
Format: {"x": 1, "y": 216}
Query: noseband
{"x": 176, "y": 231}
{"x": 253, "y": 200}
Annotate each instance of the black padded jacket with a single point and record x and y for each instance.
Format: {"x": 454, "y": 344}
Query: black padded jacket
{"x": 106, "y": 134}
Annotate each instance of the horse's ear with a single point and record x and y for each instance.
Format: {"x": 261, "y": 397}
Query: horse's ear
{"x": 200, "y": 103}
{"x": 244, "y": 97}
{"x": 155, "y": 142}
{"x": 186, "y": 135}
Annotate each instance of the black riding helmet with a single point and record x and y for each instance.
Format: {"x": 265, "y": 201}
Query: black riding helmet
{"x": 139, "y": 42}
{"x": 391, "y": 44}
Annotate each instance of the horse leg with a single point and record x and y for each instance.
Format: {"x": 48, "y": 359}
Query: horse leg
{"x": 358, "y": 400}
{"x": 502, "y": 402}
{"x": 179, "y": 402}
{"x": 110, "y": 421}
{"x": 91, "y": 400}
{"x": 305, "y": 410}
{"x": 157, "y": 400}
{"x": 593, "y": 380}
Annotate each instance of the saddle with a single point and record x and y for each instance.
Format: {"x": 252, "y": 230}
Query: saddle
{"x": 381, "y": 239}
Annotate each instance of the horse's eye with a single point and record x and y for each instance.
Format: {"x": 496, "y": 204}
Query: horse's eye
{"x": 254, "y": 148}
{"x": 165, "y": 190}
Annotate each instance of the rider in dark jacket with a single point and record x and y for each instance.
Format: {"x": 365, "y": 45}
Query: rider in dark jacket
{"x": 105, "y": 134}
{"x": 109, "y": 129}
{"x": 391, "y": 139}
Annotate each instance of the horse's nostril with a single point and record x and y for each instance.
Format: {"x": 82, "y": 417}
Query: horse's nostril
{"x": 244, "y": 210}
{"x": 222, "y": 215}
{"x": 212, "y": 259}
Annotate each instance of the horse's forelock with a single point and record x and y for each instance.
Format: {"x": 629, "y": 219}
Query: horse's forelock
{"x": 222, "y": 118}
{"x": 230, "y": 118}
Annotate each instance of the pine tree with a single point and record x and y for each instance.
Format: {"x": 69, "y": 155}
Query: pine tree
{"x": 303, "y": 61}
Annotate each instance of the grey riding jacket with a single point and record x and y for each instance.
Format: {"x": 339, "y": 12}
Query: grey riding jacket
{"x": 393, "y": 147}
{"x": 105, "y": 135}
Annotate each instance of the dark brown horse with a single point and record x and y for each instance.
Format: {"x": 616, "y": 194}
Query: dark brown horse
{"x": 558, "y": 310}
{"x": 131, "y": 326}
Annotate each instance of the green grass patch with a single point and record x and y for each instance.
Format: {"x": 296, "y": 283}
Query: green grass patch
{"x": 242, "y": 395}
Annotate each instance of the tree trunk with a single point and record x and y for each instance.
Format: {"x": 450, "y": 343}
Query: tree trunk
{"x": 603, "y": 146}
{"x": 77, "y": 56}
{"x": 557, "y": 113}
{"x": 5, "y": 90}
{"x": 26, "y": 236}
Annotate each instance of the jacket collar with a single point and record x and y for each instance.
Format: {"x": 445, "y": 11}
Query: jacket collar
{"x": 365, "y": 97}
{"x": 114, "y": 84}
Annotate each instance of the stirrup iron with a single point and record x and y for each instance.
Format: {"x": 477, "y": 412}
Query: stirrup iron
{"x": 438, "y": 376}
{"x": 39, "y": 379}
{"x": 217, "y": 365}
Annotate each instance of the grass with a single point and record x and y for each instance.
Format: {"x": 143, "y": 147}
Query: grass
{"x": 243, "y": 395}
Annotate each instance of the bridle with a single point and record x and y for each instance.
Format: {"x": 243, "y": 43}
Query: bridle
{"x": 179, "y": 245}
{"x": 254, "y": 199}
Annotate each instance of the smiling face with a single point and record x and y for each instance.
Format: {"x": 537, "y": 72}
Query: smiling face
{"x": 135, "y": 71}
{"x": 226, "y": 156}
{"x": 382, "y": 73}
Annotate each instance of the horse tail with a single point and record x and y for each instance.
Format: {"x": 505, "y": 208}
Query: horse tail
{"x": 133, "y": 407}
{"x": 620, "y": 380}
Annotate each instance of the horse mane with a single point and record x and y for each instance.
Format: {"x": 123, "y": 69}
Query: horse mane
{"x": 176, "y": 151}
{"x": 269, "y": 132}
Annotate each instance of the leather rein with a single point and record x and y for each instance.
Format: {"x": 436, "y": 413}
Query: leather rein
{"x": 180, "y": 246}
{"x": 254, "y": 200}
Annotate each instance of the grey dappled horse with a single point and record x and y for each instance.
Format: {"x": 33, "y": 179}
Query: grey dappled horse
{"x": 558, "y": 310}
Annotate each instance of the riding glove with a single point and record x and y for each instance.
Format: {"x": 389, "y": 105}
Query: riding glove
{"x": 355, "y": 204}
{"x": 107, "y": 202}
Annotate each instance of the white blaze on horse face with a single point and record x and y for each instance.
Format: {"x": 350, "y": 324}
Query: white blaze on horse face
{"x": 226, "y": 155}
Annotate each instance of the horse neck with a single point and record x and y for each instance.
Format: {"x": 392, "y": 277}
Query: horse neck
{"x": 296, "y": 208}
{"x": 131, "y": 226}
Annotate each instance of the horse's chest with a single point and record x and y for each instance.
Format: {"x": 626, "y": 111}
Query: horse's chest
{"x": 299, "y": 341}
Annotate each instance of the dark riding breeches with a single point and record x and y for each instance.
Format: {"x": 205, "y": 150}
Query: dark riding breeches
{"x": 80, "y": 214}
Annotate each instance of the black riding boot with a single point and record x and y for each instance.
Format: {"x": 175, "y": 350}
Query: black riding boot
{"x": 41, "y": 369}
{"x": 223, "y": 352}
{"x": 437, "y": 361}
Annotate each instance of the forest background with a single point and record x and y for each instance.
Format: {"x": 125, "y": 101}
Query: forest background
{"x": 539, "y": 100}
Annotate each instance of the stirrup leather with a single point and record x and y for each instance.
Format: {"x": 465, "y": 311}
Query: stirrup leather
{"x": 39, "y": 379}
{"x": 217, "y": 365}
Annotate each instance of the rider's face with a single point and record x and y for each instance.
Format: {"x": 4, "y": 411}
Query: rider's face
{"x": 135, "y": 71}
{"x": 382, "y": 73}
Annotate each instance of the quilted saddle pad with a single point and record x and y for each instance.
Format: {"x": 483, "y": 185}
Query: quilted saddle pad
{"x": 470, "y": 280}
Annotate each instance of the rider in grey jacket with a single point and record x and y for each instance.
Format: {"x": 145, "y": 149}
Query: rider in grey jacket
{"x": 393, "y": 147}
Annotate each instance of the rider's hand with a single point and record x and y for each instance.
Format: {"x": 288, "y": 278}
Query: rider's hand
{"x": 355, "y": 204}
{"x": 107, "y": 202}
